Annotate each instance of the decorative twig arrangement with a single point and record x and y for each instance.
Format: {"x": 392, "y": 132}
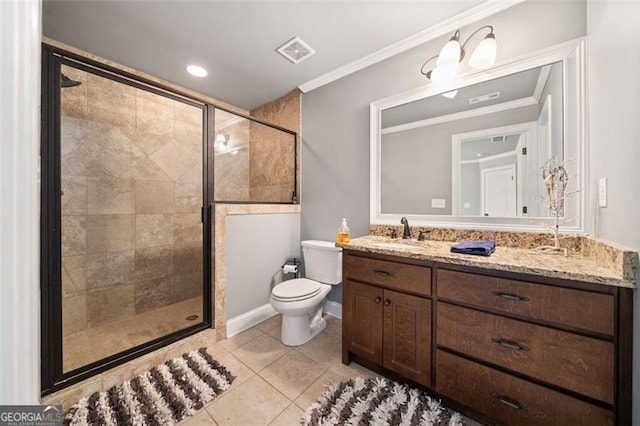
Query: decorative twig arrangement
{"x": 555, "y": 178}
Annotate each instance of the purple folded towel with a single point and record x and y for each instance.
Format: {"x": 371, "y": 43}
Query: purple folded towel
{"x": 479, "y": 248}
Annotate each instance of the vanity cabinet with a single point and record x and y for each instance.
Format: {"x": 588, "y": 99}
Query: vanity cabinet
{"x": 387, "y": 316}
{"x": 516, "y": 348}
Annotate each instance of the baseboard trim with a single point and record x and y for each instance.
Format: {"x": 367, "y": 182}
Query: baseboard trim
{"x": 247, "y": 320}
{"x": 333, "y": 308}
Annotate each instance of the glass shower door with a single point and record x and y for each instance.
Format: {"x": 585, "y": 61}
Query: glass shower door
{"x": 131, "y": 170}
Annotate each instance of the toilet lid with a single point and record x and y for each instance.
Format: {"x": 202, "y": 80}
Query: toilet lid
{"x": 296, "y": 289}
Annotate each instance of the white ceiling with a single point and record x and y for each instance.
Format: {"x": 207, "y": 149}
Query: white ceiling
{"x": 236, "y": 40}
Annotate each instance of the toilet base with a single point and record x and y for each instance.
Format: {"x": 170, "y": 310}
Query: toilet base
{"x": 297, "y": 331}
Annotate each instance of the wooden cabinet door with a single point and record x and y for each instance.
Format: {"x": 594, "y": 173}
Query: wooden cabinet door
{"x": 407, "y": 336}
{"x": 362, "y": 320}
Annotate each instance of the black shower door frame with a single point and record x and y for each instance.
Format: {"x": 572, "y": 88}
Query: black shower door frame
{"x": 53, "y": 378}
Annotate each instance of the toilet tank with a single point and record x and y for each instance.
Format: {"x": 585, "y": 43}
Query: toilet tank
{"x": 322, "y": 261}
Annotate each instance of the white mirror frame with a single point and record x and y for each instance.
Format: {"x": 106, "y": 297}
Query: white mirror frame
{"x": 572, "y": 55}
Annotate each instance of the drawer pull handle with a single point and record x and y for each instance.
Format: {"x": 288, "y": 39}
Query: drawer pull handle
{"x": 511, "y": 403}
{"x": 387, "y": 302}
{"x": 508, "y": 296}
{"x": 382, "y": 274}
{"x": 378, "y": 300}
{"x": 510, "y": 345}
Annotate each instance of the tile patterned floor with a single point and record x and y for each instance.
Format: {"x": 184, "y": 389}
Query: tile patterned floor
{"x": 275, "y": 383}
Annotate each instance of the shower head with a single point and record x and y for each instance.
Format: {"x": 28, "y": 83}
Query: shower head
{"x": 67, "y": 82}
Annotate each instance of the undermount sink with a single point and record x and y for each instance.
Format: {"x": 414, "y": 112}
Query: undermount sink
{"x": 396, "y": 246}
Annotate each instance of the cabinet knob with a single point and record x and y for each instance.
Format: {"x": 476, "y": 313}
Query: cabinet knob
{"x": 511, "y": 403}
{"x": 387, "y": 302}
{"x": 377, "y": 300}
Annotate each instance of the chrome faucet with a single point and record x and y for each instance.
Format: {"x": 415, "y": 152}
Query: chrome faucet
{"x": 406, "y": 234}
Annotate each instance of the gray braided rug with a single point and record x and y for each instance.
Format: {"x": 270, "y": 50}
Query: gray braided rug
{"x": 378, "y": 401}
{"x": 163, "y": 395}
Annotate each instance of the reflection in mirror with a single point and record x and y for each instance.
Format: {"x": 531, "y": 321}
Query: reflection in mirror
{"x": 475, "y": 151}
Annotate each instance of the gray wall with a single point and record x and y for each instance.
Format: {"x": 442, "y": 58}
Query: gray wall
{"x": 335, "y": 117}
{"x": 614, "y": 135}
{"x": 256, "y": 247}
{"x": 470, "y": 189}
{"x": 416, "y": 163}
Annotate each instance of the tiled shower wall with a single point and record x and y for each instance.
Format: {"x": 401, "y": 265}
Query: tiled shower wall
{"x": 132, "y": 185}
{"x": 270, "y": 151}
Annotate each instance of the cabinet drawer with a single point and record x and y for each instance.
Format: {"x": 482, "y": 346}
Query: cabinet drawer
{"x": 573, "y": 308}
{"x": 398, "y": 276}
{"x": 582, "y": 364}
{"x": 511, "y": 400}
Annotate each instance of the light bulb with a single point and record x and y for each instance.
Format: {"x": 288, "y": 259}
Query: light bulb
{"x": 484, "y": 54}
{"x": 450, "y": 53}
{"x": 444, "y": 75}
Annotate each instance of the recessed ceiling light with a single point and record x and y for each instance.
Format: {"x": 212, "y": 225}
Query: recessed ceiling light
{"x": 197, "y": 71}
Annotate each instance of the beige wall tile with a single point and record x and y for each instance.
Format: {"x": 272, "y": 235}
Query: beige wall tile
{"x": 148, "y": 143}
{"x": 74, "y": 274}
{"x": 110, "y": 233}
{"x": 74, "y": 313}
{"x": 74, "y": 235}
{"x": 153, "y": 262}
{"x": 154, "y": 113}
{"x": 110, "y": 196}
{"x": 188, "y": 117}
{"x": 73, "y": 100}
{"x": 110, "y": 304}
{"x": 188, "y": 229}
{"x": 174, "y": 159}
{"x": 109, "y": 268}
{"x": 153, "y": 294}
{"x": 155, "y": 197}
{"x": 187, "y": 285}
{"x": 188, "y": 197}
{"x": 74, "y": 198}
{"x": 154, "y": 230}
{"x": 112, "y": 103}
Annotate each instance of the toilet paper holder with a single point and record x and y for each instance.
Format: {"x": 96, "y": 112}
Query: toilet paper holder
{"x": 291, "y": 266}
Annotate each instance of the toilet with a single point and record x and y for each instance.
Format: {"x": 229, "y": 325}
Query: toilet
{"x": 300, "y": 301}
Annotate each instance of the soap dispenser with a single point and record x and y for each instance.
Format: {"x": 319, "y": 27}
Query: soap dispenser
{"x": 343, "y": 233}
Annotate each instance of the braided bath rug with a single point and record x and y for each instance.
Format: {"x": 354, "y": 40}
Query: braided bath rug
{"x": 378, "y": 401}
{"x": 163, "y": 395}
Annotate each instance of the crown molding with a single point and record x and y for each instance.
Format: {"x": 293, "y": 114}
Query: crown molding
{"x": 483, "y": 10}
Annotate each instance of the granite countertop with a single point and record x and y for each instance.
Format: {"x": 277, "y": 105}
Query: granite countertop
{"x": 573, "y": 267}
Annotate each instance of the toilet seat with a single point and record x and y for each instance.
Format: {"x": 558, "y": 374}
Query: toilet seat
{"x": 295, "y": 290}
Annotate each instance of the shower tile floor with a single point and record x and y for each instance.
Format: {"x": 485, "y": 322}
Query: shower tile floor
{"x": 100, "y": 342}
{"x": 275, "y": 383}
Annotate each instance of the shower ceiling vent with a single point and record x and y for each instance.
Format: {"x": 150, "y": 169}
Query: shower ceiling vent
{"x": 296, "y": 50}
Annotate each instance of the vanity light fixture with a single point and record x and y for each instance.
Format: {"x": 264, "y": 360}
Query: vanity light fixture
{"x": 196, "y": 71}
{"x": 453, "y": 53}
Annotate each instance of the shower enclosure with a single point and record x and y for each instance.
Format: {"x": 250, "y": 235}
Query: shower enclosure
{"x": 130, "y": 172}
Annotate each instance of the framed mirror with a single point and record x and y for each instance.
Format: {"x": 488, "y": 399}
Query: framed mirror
{"x": 470, "y": 154}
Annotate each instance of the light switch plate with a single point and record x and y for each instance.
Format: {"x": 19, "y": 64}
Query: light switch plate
{"x": 438, "y": 203}
{"x": 467, "y": 205}
{"x": 602, "y": 192}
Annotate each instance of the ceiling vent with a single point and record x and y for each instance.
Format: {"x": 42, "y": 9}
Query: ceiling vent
{"x": 296, "y": 50}
{"x": 484, "y": 98}
{"x": 497, "y": 139}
